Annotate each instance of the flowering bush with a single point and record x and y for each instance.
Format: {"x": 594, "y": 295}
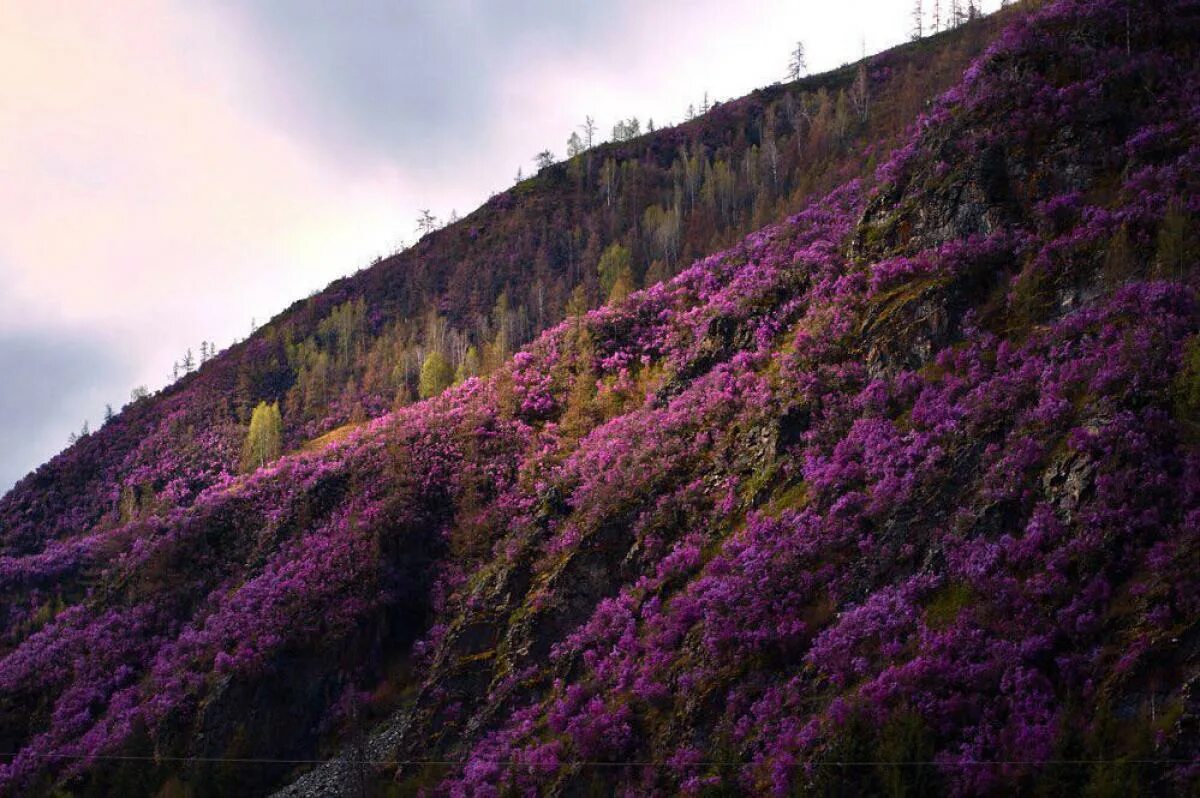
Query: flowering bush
{"x": 837, "y": 494}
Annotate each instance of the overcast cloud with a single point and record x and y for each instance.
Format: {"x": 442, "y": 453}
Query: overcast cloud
{"x": 171, "y": 169}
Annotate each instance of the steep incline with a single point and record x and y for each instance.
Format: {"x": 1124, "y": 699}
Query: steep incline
{"x": 490, "y": 282}
{"x": 900, "y": 495}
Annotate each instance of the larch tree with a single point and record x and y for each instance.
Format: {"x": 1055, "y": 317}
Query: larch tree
{"x": 798, "y": 64}
{"x": 574, "y": 145}
{"x": 436, "y": 375}
{"x": 589, "y": 131}
{"x": 469, "y": 366}
{"x": 264, "y": 440}
{"x": 615, "y": 261}
{"x": 426, "y": 222}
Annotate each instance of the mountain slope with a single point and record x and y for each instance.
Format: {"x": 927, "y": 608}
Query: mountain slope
{"x": 900, "y": 494}
{"x": 491, "y": 282}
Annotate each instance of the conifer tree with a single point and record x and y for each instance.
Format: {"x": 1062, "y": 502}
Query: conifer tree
{"x": 264, "y": 440}
{"x": 615, "y": 261}
{"x": 589, "y": 131}
{"x": 798, "y": 65}
{"x": 436, "y": 375}
{"x": 469, "y": 366}
{"x": 574, "y": 145}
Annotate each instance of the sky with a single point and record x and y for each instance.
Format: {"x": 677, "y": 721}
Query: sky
{"x": 171, "y": 170}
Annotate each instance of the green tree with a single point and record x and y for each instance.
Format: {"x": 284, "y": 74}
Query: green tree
{"x": 615, "y": 260}
{"x": 469, "y": 367}
{"x": 581, "y": 412}
{"x": 264, "y": 441}
{"x": 623, "y": 286}
{"x": 436, "y": 375}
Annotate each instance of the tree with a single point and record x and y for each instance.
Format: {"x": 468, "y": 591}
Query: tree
{"x": 1177, "y": 244}
{"x": 581, "y": 412}
{"x": 574, "y": 145}
{"x": 798, "y": 65}
{"x": 108, "y": 413}
{"x": 918, "y": 17}
{"x": 139, "y": 393}
{"x": 623, "y": 286}
{"x": 426, "y": 222}
{"x": 544, "y": 159}
{"x": 264, "y": 440}
{"x": 436, "y": 375}
{"x": 589, "y": 131}
{"x": 188, "y": 364}
{"x": 469, "y": 366}
{"x": 615, "y": 261}
{"x": 957, "y": 17}
{"x": 519, "y": 176}
{"x": 626, "y": 129}
{"x": 577, "y": 305}
{"x": 860, "y": 94}
{"x": 608, "y": 181}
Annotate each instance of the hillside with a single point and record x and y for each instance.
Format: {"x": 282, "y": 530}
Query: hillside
{"x": 897, "y": 494}
{"x": 477, "y": 290}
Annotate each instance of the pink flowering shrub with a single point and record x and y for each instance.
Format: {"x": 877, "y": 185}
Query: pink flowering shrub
{"x": 904, "y": 480}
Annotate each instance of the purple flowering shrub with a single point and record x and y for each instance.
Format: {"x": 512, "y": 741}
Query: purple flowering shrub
{"x": 909, "y": 480}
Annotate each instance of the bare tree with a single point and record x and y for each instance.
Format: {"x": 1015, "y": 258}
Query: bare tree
{"x": 608, "y": 181}
{"x": 860, "y": 94}
{"x": 918, "y": 17}
{"x": 589, "y": 131}
{"x": 426, "y": 222}
{"x": 798, "y": 65}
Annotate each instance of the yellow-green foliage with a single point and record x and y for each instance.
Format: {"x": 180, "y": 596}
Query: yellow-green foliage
{"x": 945, "y": 607}
{"x": 1187, "y": 385}
{"x": 581, "y": 412}
{"x": 436, "y": 375}
{"x": 1177, "y": 242}
{"x": 265, "y": 437}
{"x": 470, "y": 365}
{"x": 616, "y": 262}
{"x": 1031, "y": 299}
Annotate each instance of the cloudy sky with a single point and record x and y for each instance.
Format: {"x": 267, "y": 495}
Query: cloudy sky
{"x": 171, "y": 169}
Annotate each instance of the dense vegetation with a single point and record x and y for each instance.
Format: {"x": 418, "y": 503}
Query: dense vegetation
{"x": 898, "y": 495}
